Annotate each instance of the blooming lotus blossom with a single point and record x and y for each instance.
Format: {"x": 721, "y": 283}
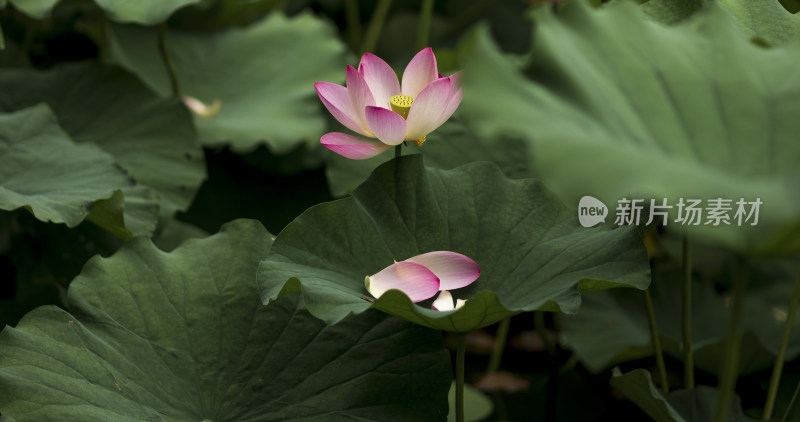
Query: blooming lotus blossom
{"x": 374, "y": 104}
{"x": 421, "y": 276}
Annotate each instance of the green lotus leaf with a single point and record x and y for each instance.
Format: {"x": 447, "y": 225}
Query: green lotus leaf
{"x": 107, "y": 213}
{"x": 697, "y": 405}
{"x": 213, "y": 15}
{"x": 153, "y": 139}
{"x": 617, "y": 106}
{"x": 141, "y": 209}
{"x": 452, "y": 145}
{"x": 43, "y": 170}
{"x": 37, "y": 9}
{"x": 672, "y": 12}
{"x": 531, "y": 250}
{"x": 145, "y": 12}
{"x": 174, "y": 232}
{"x": 637, "y": 386}
{"x": 263, "y": 75}
{"x": 612, "y": 327}
{"x": 477, "y": 406}
{"x": 767, "y": 20}
{"x": 46, "y": 258}
{"x": 183, "y": 336}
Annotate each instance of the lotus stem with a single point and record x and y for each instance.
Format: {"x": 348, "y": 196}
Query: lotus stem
{"x": 686, "y": 316}
{"x": 353, "y": 24}
{"x": 791, "y": 409}
{"x": 777, "y": 370}
{"x": 375, "y": 25}
{"x": 499, "y": 345}
{"x": 656, "y": 339}
{"x": 162, "y": 48}
{"x": 551, "y": 394}
{"x": 541, "y": 330}
{"x": 730, "y": 362}
{"x": 424, "y": 24}
{"x": 460, "y": 376}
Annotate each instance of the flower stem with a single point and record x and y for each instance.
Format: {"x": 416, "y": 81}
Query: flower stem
{"x": 551, "y": 391}
{"x": 375, "y": 25}
{"x": 541, "y": 330}
{"x": 162, "y": 48}
{"x": 468, "y": 15}
{"x": 791, "y": 409}
{"x": 353, "y": 24}
{"x": 730, "y": 362}
{"x": 499, "y": 345}
{"x": 656, "y": 339}
{"x": 424, "y": 24}
{"x": 460, "y": 376}
{"x": 2, "y": 41}
{"x": 398, "y": 150}
{"x": 688, "y": 356}
{"x": 772, "y": 392}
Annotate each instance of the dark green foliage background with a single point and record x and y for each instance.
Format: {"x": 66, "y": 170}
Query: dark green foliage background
{"x": 657, "y": 98}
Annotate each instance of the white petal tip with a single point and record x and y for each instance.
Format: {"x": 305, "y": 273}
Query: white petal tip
{"x": 444, "y": 302}
{"x": 202, "y": 109}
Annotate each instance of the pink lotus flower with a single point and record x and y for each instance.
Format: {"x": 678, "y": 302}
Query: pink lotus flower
{"x": 421, "y": 276}
{"x": 375, "y": 105}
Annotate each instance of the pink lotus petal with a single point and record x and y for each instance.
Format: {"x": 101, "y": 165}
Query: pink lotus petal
{"x": 453, "y": 269}
{"x": 427, "y": 109}
{"x": 352, "y": 147}
{"x": 413, "y": 279}
{"x": 380, "y": 78}
{"x": 337, "y": 101}
{"x": 360, "y": 98}
{"x": 419, "y": 73}
{"x": 387, "y": 125}
{"x": 453, "y": 101}
{"x": 455, "y": 79}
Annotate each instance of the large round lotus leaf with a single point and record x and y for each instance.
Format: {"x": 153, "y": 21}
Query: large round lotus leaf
{"x": 38, "y": 9}
{"x": 263, "y": 75}
{"x": 477, "y": 405}
{"x": 145, "y": 12}
{"x": 452, "y": 145}
{"x": 183, "y": 336}
{"x": 213, "y": 15}
{"x": 766, "y": 20}
{"x": 531, "y": 250}
{"x": 153, "y": 139}
{"x": 612, "y": 326}
{"x": 617, "y": 106}
{"x": 697, "y": 405}
{"x": 43, "y": 170}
